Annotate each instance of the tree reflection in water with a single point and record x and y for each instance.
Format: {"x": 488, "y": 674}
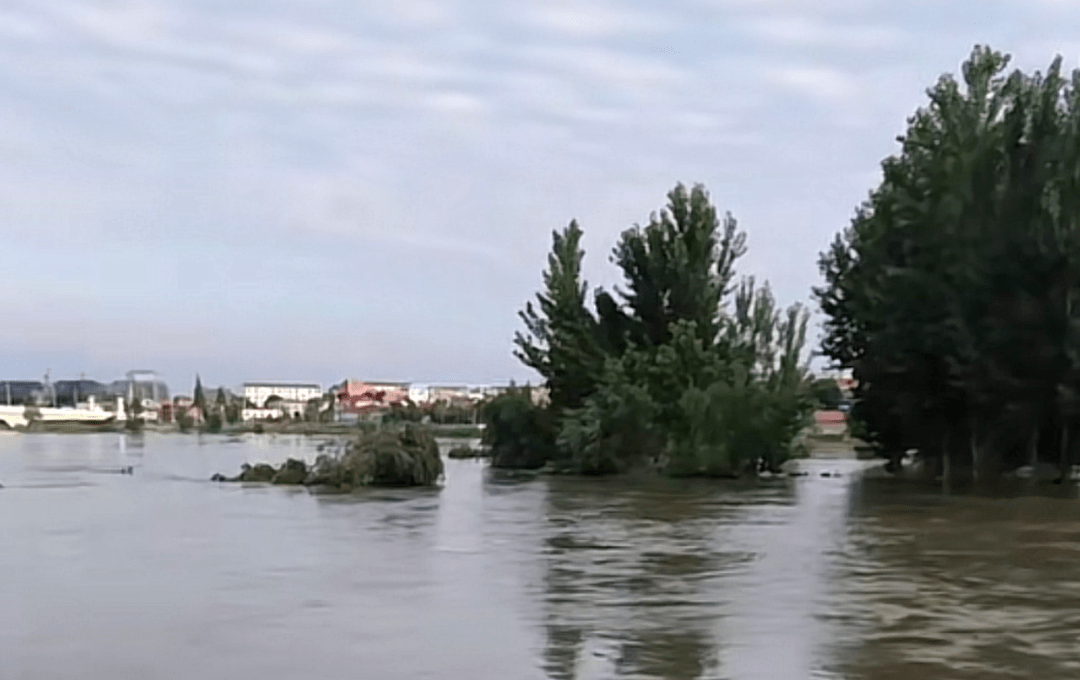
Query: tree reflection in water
{"x": 634, "y": 578}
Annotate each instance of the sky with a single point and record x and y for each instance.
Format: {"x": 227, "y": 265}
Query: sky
{"x": 319, "y": 189}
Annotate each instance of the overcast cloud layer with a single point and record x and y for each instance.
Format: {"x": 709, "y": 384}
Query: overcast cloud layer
{"x": 315, "y": 189}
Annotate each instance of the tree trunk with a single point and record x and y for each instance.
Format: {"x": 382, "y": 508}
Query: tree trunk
{"x": 1065, "y": 460}
{"x": 946, "y": 471}
{"x": 896, "y": 461}
{"x": 975, "y": 458}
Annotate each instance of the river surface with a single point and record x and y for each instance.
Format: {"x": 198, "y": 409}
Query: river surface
{"x": 163, "y": 574}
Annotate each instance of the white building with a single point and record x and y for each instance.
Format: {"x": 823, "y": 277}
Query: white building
{"x": 250, "y": 414}
{"x": 290, "y": 393}
{"x": 427, "y": 394}
{"x": 419, "y": 394}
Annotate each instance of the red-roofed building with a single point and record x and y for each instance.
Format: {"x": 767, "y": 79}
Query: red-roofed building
{"x": 830, "y": 422}
{"x": 847, "y": 385}
{"x": 356, "y": 398}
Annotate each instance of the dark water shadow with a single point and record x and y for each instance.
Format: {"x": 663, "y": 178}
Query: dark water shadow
{"x": 980, "y": 583}
{"x": 634, "y": 570}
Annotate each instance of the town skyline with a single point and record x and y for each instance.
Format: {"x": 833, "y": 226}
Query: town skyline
{"x": 285, "y": 189}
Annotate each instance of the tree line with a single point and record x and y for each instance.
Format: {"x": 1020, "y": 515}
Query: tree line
{"x": 681, "y": 368}
{"x": 953, "y": 293}
{"x": 952, "y": 296}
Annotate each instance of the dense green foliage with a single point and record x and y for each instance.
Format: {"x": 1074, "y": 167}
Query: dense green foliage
{"x": 233, "y": 410}
{"x": 405, "y": 456}
{"x": 215, "y": 418}
{"x": 952, "y": 295}
{"x": 463, "y": 452}
{"x": 403, "y": 413}
{"x": 561, "y": 339}
{"x": 199, "y": 399}
{"x": 826, "y": 393}
{"x": 519, "y": 434}
{"x": 659, "y": 372}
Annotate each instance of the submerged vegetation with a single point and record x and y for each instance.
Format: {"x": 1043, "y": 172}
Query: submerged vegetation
{"x": 407, "y": 456}
{"x": 661, "y": 372}
{"x": 464, "y": 452}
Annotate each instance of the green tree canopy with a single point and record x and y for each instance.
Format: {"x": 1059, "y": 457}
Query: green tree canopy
{"x": 951, "y": 293}
{"x": 560, "y": 341}
{"x": 199, "y": 397}
{"x": 659, "y": 372}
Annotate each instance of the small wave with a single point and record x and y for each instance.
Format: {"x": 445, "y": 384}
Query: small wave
{"x": 50, "y": 485}
{"x": 458, "y": 551}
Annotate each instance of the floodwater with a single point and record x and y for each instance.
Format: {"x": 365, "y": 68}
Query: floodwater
{"x": 163, "y": 574}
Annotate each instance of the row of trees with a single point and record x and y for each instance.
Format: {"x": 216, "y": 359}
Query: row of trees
{"x": 682, "y": 368}
{"x": 953, "y": 294}
{"x": 443, "y": 412}
{"x": 226, "y": 408}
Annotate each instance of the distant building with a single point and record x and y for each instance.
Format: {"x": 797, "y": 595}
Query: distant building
{"x": 357, "y": 398}
{"x": 419, "y": 394}
{"x": 195, "y": 414}
{"x": 541, "y": 396}
{"x": 21, "y": 392}
{"x": 455, "y": 394}
{"x": 449, "y": 393}
{"x": 73, "y": 392}
{"x": 847, "y": 385}
{"x": 491, "y": 391}
{"x": 289, "y": 398}
{"x": 255, "y": 414}
{"x": 394, "y": 391}
{"x": 144, "y": 385}
{"x": 830, "y": 422}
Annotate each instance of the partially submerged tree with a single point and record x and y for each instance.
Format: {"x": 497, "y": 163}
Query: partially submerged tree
{"x": 560, "y": 338}
{"x": 405, "y": 456}
{"x": 827, "y": 394}
{"x": 520, "y": 434}
{"x": 657, "y": 373}
{"x": 951, "y": 294}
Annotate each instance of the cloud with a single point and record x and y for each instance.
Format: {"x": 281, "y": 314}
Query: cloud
{"x": 775, "y": 6}
{"x": 119, "y": 23}
{"x": 457, "y": 103}
{"x": 247, "y": 148}
{"x": 800, "y": 32}
{"x": 296, "y": 40}
{"x": 599, "y": 74}
{"x": 827, "y": 85}
{"x": 417, "y": 13}
{"x": 22, "y": 26}
{"x": 353, "y": 206}
{"x": 591, "y": 19}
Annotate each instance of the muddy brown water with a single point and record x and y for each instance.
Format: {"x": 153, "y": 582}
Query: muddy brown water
{"x": 163, "y": 574}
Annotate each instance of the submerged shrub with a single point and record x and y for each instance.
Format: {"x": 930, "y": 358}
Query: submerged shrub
{"x": 401, "y": 457}
{"x": 520, "y": 434}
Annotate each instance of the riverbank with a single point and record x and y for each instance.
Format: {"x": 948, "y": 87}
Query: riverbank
{"x": 299, "y": 428}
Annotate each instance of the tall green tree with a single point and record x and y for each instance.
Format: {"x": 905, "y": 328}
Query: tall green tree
{"x": 826, "y": 393}
{"x": 199, "y": 398}
{"x": 661, "y": 373}
{"x": 678, "y": 267}
{"x": 560, "y": 341}
{"x": 951, "y": 293}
